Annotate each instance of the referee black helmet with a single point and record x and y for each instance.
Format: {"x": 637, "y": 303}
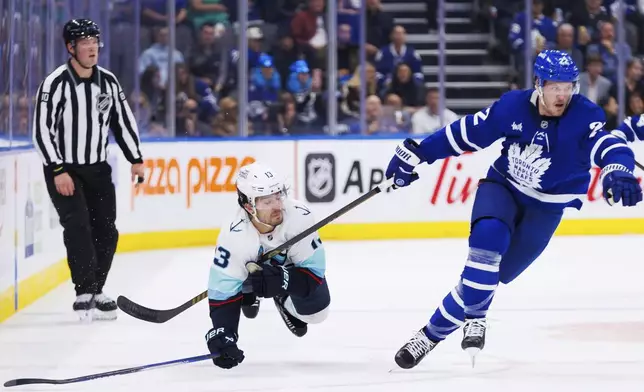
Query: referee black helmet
{"x": 78, "y": 29}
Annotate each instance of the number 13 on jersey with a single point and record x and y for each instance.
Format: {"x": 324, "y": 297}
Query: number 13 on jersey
{"x": 222, "y": 257}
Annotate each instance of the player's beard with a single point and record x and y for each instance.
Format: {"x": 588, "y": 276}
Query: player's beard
{"x": 552, "y": 107}
{"x": 273, "y": 218}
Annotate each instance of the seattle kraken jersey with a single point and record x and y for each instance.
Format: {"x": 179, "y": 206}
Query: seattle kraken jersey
{"x": 632, "y": 129}
{"x": 239, "y": 243}
{"x": 546, "y": 160}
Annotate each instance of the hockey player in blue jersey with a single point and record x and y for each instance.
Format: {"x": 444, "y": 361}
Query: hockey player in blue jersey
{"x": 551, "y": 135}
{"x": 631, "y": 129}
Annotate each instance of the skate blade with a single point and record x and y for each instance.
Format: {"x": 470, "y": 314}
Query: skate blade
{"x": 85, "y": 316}
{"x": 104, "y": 316}
{"x": 473, "y": 352}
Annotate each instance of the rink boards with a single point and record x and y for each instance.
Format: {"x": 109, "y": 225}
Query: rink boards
{"x": 189, "y": 192}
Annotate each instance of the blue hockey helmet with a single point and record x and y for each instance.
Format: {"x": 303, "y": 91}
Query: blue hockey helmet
{"x": 556, "y": 66}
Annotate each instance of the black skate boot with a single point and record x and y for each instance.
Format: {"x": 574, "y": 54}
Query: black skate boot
{"x": 84, "y": 307}
{"x": 474, "y": 337}
{"x": 295, "y": 325}
{"x": 414, "y": 350}
{"x": 250, "y": 306}
{"x": 105, "y": 307}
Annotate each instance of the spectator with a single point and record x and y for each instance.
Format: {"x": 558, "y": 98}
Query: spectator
{"x": 635, "y": 105}
{"x": 264, "y": 85}
{"x": 427, "y": 120}
{"x": 542, "y": 36}
{"x": 607, "y": 48}
{"x": 633, "y": 80}
{"x": 287, "y": 52}
{"x": 207, "y": 11}
{"x": 586, "y": 18}
{"x": 404, "y": 86}
{"x": 388, "y": 57}
{"x": 634, "y": 21}
{"x": 566, "y": 43}
{"x": 287, "y": 119}
{"x": 379, "y": 27}
{"x": 205, "y": 103}
{"x": 300, "y": 86}
{"x": 347, "y": 52}
{"x": 150, "y": 111}
{"x": 309, "y": 27}
{"x": 157, "y": 55}
{"x": 350, "y": 91}
{"x": 226, "y": 123}
{"x": 154, "y": 13}
{"x": 209, "y": 58}
{"x": 255, "y": 37}
{"x": 592, "y": 84}
{"x": 401, "y": 116}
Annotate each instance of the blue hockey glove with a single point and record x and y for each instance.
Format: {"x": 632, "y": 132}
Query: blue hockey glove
{"x": 270, "y": 281}
{"x": 401, "y": 167}
{"x": 224, "y": 342}
{"x": 620, "y": 185}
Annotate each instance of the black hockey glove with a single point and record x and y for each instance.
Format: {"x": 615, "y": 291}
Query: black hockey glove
{"x": 270, "y": 281}
{"x": 224, "y": 342}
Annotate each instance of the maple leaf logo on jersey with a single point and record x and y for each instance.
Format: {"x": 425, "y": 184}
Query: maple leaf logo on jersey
{"x": 528, "y": 166}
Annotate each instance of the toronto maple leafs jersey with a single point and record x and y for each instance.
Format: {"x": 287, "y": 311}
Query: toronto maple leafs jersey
{"x": 631, "y": 129}
{"x": 239, "y": 243}
{"x": 545, "y": 160}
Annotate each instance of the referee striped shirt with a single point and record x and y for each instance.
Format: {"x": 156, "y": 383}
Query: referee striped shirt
{"x": 73, "y": 116}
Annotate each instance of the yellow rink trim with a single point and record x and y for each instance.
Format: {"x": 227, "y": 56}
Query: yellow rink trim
{"x": 39, "y": 284}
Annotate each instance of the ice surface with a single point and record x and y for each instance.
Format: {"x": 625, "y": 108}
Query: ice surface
{"x": 574, "y": 321}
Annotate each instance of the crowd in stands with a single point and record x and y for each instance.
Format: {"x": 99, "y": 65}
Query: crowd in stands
{"x": 287, "y": 68}
{"x": 586, "y": 29}
{"x": 287, "y": 63}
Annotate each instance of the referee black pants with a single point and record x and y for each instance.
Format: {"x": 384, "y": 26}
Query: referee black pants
{"x": 88, "y": 220}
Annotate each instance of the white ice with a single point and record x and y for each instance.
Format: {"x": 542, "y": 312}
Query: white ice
{"x": 574, "y": 321}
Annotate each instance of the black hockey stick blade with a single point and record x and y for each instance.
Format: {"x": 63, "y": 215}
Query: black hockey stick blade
{"x": 31, "y": 381}
{"x": 152, "y": 315}
{"x": 161, "y": 316}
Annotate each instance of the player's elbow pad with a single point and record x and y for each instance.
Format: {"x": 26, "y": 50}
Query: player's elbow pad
{"x": 303, "y": 282}
{"x": 226, "y": 313}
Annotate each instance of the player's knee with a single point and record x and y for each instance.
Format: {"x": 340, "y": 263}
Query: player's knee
{"x": 315, "y": 318}
{"x": 490, "y": 234}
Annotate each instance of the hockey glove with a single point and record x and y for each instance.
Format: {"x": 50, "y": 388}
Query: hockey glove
{"x": 402, "y": 165}
{"x": 620, "y": 185}
{"x": 270, "y": 281}
{"x": 224, "y": 342}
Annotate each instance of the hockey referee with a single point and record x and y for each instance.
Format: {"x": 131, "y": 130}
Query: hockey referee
{"x": 76, "y": 105}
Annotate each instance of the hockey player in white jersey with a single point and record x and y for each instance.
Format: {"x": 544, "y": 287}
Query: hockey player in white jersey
{"x": 265, "y": 218}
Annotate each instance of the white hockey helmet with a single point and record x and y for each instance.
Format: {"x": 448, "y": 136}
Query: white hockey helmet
{"x": 256, "y": 180}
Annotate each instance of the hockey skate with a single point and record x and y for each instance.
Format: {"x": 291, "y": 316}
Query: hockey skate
{"x": 251, "y": 310}
{"x": 474, "y": 337}
{"x": 414, "y": 350}
{"x": 105, "y": 308}
{"x": 84, "y": 307}
{"x": 295, "y": 325}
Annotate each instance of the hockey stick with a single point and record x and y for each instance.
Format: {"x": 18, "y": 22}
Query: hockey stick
{"x": 29, "y": 381}
{"x": 639, "y": 165}
{"x": 161, "y": 316}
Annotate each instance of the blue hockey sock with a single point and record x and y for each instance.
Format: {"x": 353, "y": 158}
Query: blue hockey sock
{"x": 489, "y": 240}
{"x": 479, "y": 281}
{"x": 447, "y": 318}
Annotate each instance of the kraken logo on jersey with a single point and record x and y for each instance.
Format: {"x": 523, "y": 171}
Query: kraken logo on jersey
{"x": 527, "y": 166}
